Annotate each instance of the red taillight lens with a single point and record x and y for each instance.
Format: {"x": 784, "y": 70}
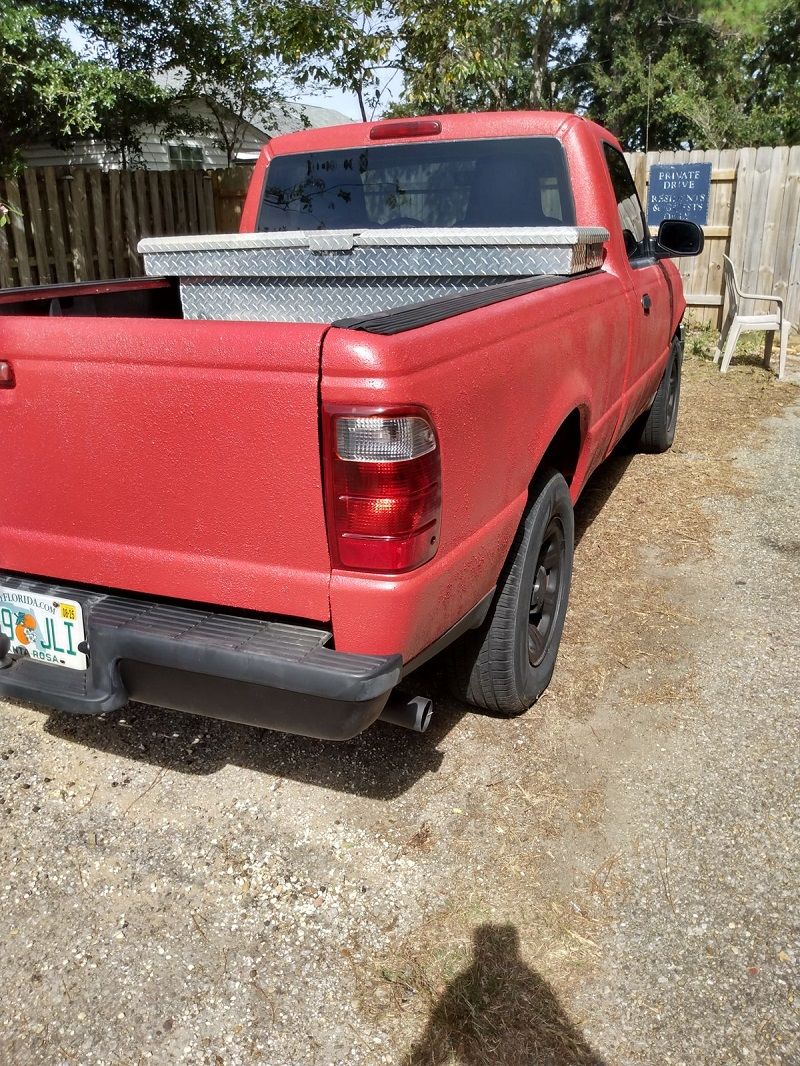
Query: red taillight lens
{"x": 383, "y": 479}
{"x": 403, "y": 127}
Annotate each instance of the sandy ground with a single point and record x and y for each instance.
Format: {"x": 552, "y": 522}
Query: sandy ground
{"x": 609, "y": 878}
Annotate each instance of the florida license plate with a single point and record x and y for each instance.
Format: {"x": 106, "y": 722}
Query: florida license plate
{"x": 46, "y": 628}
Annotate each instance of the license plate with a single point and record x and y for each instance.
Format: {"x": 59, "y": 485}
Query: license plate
{"x": 46, "y": 628}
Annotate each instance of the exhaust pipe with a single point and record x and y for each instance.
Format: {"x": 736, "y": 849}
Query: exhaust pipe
{"x": 413, "y": 712}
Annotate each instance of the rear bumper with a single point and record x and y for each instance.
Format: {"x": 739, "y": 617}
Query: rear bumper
{"x": 258, "y": 672}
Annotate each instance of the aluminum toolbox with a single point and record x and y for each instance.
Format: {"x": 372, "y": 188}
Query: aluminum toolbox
{"x": 323, "y": 275}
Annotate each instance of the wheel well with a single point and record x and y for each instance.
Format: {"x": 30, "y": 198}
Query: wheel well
{"x": 564, "y": 449}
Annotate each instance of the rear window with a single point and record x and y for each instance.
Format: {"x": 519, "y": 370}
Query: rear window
{"x": 508, "y": 181}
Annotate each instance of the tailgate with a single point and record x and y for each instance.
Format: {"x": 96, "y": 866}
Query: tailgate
{"x": 179, "y": 459}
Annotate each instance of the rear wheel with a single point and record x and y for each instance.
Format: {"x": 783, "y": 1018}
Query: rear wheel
{"x": 658, "y": 425}
{"x": 506, "y": 665}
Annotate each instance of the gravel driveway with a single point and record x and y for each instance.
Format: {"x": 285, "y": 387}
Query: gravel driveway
{"x": 609, "y": 878}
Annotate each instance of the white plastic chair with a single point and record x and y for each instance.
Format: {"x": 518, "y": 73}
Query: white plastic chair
{"x": 736, "y": 324}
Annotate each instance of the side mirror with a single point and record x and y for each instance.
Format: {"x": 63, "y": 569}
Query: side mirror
{"x": 677, "y": 237}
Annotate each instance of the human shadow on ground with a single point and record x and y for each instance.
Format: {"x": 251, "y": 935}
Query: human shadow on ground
{"x": 499, "y": 1011}
{"x": 382, "y": 763}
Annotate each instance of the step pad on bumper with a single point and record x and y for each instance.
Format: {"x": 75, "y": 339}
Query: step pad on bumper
{"x": 137, "y": 647}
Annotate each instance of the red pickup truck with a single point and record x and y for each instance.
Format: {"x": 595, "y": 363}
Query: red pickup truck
{"x": 274, "y": 522}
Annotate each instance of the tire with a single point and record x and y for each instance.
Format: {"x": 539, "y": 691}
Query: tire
{"x": 658, "y": 425}
{"x": 507, "y": 664}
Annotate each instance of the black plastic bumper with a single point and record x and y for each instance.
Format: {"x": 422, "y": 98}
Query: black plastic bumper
{"x": 255, "y": 671}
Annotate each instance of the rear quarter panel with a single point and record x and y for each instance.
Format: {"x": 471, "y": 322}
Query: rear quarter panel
{"x": 498, "y": 383}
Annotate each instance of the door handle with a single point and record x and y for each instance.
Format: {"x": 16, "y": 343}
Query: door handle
{"x": 647, "y": 303}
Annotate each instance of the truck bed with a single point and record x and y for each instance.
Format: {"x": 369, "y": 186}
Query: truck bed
{"x": 148, "y": 297}
{"x": 162, "y": 456}
{"x": 200, "y": 438}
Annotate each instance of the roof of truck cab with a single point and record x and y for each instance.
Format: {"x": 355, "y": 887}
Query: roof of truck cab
{"x": 453, "y": 127}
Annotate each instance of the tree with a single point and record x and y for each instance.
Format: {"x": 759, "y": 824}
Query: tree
{"x": 659, "y": 77}
{"x": 740, "y": 16}
{"x": 694, "y": 73}
{"x": 222, "y": 54}
{"x": 698, "y": 74}
{"x": 774, "y": 69}
{"x": 340, "y": 43}
{"x": 132, "y": 41}
{"x": 46, "y": 91}
{"x": 462, "y": 55}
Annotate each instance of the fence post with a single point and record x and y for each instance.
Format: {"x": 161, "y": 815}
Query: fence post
{"x": 131, "y": 235}
{"x": 18, "y": 234}
{"x": 230, "y": 188}
{"x": 37, "y": 226}
{"x": 55, "y": 222}
{"x": 6, "y": 274}
{"x": 787, "y": 257}
{"x": 101, "y": 233}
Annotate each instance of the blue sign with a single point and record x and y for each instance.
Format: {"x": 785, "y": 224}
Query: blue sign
{"x": 679, "y": 190}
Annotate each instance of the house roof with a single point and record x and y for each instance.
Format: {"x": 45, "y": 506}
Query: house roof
{"x": 288, "y": 118}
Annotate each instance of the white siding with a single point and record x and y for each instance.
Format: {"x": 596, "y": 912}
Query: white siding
{"x": 82, "y": 154}
{"x": 155, "y": 152}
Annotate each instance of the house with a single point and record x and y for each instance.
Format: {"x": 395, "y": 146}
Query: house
{"x": 195, "y": 152}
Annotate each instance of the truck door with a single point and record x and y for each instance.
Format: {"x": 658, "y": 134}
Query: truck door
{"x": 650, "y": 295}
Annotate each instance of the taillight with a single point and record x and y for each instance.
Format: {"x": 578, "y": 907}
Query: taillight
{"x": 384, "y": 490}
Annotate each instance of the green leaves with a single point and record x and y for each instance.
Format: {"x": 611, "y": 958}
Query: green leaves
{"x": 694, "y": 73}
{"x": 687, "y": 76}
{"x": 49, "y": 93}
{"x": 224, "y": 54}
{"x": 46, "y": 93}
{"x": 336, "y": 43}
{"x": 460, "y": 55}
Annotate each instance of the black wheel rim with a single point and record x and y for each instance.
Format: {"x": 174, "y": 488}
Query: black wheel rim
{"x": 547, "y": 592}
{"x": 673, "y": 391}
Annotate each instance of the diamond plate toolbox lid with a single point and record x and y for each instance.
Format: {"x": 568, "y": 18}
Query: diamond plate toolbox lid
{"x": 388, "y": 253}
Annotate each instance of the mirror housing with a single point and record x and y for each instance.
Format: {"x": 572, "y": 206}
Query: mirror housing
{"x": 677, "y": 237}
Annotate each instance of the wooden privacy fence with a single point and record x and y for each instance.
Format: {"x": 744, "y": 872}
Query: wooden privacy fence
{"x": 80, "y": 224}
{"x": 83, "y": 224}
{"x": 753, "y": 217}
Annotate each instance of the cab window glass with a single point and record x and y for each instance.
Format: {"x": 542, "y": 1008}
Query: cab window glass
{"x": 501, "y": 181}
{"x": 631, "y": 216}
